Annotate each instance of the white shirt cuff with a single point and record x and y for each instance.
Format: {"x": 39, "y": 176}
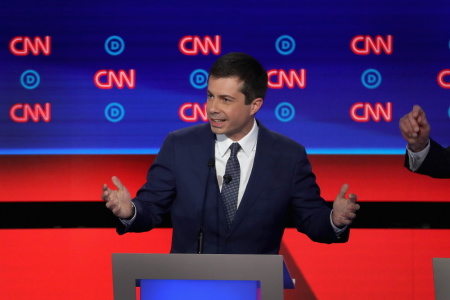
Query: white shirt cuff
{"x": 127, "y": 222}
{"x": 416, "y": 158}
{"x": 338, "y": 231}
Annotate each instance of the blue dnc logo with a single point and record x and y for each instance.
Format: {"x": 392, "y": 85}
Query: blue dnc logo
{"x": 30, "y": 79}
{"x": 285, "y": 45}
{"x": 285, "y": 112}
{"x": 199, "y": 79}
{"x": 114, "y": 45}
{"x": 371, "y": 78}
{"x": 114, "y": 112}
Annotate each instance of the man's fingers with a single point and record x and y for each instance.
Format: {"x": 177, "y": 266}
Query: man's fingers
{"x": 105, "y": 192}
{"x": 406, "y": 128}
{"x": 353, "y": 197}
{"x": 344, "y": 210}
{"x": 420, "y": 116}
{"x": 413, "y": 122}
{"x": 343, "y": 191}
{"x": 109, "y": 204}
{"x": 355, "y": 207}
{"x": 117, "y": 182}
{"x": 422, "y": 119}
{"x": 407, "y": 122}
{"x": 416, "y": 110}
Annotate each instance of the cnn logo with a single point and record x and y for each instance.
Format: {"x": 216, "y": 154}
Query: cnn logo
{"x": 193, "y": 112}
{"x": 441, "y": 79}
{"x": 22, "y": 46}
{"x": 364, "y": 45}
{"x": 194, "y": 45}
{"x": 364, "y": 112}
{"x": 278, "y": 79}
{"x": 22, "y": 113}
{"x": 107, "y": 79}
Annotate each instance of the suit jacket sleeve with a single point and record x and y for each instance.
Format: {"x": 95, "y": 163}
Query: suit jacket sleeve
{"x": 314, "y": 221}
{"x": 153, "y": 200}
{"x": 436, "y": 163}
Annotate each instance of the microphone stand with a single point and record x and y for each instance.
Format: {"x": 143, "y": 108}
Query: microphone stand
{"x": 211, "y": 164}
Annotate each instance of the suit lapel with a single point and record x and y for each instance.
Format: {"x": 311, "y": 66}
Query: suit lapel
{"x": 201, "y": 151}
{"x": 197, "y": 154}
{"x": 265, "y": 162}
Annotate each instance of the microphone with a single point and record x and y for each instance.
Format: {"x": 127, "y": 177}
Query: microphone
{"x": 227, "y": 178}
{"x": 211, "y": 165}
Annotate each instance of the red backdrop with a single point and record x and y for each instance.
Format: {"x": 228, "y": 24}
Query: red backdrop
{"x": 76, "y": 263}
{"x": 80, "y": 177}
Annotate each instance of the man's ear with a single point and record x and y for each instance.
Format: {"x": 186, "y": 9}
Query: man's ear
{"x": 256, "y": 105}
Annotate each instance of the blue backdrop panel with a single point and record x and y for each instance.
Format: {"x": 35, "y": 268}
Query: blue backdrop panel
{"x": 114, "y": 77}
{"x": 199, "y": 289}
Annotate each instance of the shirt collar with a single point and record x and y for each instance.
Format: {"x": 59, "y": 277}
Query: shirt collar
{"x": 248, "y": 142}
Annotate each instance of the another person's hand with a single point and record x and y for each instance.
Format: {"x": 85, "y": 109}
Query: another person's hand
{"x": 344, "y": 209}
{"x": 415, "y": 129}
{"x": 118, "y": 201}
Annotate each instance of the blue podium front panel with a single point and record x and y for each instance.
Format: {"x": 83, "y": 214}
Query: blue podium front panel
{"x": 160, "y": 289}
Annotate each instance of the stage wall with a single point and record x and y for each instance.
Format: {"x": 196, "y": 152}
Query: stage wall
{"x": 75, "y": 264}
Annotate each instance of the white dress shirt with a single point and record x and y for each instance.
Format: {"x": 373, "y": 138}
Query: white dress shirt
{"x": 416, "y": 158}
{"x": 246, "y": 157}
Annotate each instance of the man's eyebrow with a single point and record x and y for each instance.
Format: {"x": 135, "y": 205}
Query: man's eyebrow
{"x": 226, "y": 96}
{"x": 222, "y": 96}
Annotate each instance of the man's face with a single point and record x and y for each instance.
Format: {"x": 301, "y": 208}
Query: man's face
{"x": 226, "y": 108}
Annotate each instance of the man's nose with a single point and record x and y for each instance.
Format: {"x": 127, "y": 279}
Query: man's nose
{"x": 212, "y": 106}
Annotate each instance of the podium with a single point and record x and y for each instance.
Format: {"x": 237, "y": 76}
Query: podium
{"x": 266, "y": 274}
{"x": 441, "y": 272}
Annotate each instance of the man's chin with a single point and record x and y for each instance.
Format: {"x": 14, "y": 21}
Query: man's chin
{"x": 216, "y": 129}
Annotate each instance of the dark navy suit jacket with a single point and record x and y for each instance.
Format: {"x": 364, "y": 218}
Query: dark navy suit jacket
{"x": 182, "y": 181}
{"x": 437, "y": 162}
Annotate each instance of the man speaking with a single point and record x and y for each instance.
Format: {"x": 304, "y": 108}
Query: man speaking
{"x": 231, "y": 185}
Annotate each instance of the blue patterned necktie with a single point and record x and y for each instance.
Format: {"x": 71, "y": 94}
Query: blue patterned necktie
{"x": 230, "y": 186}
